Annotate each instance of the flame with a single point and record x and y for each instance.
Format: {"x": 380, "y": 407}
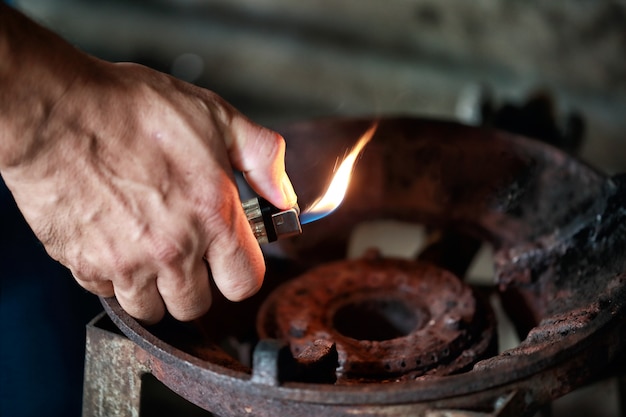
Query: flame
{"x": 338, "y": 187}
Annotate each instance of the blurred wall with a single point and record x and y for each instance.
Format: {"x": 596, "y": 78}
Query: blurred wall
{"x": 281, "y": 60}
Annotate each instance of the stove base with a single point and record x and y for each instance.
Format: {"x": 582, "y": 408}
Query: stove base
{"x": 118, "y": 383}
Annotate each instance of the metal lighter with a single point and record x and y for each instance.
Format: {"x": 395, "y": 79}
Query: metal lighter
{"x": 269, "y": 223}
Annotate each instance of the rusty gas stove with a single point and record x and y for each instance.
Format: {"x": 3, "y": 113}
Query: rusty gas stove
{"x": 377, "y": 336}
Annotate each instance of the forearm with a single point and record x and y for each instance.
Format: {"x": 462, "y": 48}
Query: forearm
{"x": 36, "y": 68}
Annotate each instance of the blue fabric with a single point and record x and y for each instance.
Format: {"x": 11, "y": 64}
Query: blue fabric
{"x": 43, "y": 313}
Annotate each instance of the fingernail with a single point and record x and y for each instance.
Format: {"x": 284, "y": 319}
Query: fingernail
{"x": 289, "y": 192}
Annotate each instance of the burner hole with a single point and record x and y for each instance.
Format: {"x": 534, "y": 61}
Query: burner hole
{"x": 377, "y": 319}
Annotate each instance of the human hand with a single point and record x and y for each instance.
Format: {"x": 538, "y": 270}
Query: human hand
{"x": 131, "y": 187}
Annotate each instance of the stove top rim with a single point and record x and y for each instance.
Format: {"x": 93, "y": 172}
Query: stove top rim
{"x": 468, "y": 383}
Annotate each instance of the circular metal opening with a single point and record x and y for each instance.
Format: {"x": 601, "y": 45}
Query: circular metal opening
{"x": 376, "y": 319}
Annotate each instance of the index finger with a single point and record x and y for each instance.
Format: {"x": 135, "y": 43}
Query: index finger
{"x": 235, "y": 258}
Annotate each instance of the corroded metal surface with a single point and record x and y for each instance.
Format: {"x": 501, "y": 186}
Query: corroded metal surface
{"x": 390, "y": 319}
{"x": 113, "y": 369}
{"x": 558, "y": 228}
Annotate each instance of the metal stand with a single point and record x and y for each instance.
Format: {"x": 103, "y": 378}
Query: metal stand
{"x": 113, "y": 372}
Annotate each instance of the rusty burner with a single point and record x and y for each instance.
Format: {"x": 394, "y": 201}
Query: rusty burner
{"x": 387, "y": 319}
{"x": 389, "y": 337}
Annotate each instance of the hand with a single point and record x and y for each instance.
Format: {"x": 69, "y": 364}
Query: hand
{"x": 131, "y": 187}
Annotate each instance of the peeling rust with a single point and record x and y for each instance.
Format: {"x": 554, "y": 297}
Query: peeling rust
{"x": 390, "y": 319}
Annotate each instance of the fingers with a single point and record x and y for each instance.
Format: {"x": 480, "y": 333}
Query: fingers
{"x": 144, "y": 304}
{"x": 187, "y": 296}
{"x": 180, "y": 287}
{"x": 260, "y": 154}
{"x": 236, "y": 260}
{"x": 101, "y": 288}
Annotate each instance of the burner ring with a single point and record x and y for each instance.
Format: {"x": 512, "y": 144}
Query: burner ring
{"x": 387, "y": 317}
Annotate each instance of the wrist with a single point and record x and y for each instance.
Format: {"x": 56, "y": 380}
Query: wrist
{"x": 36, "y": 69}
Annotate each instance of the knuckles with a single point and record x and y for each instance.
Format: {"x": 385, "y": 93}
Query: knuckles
{"x": 175, "y": 248}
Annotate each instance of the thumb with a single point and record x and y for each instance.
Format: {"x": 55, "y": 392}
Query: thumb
{"x": 259, "y": 153}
